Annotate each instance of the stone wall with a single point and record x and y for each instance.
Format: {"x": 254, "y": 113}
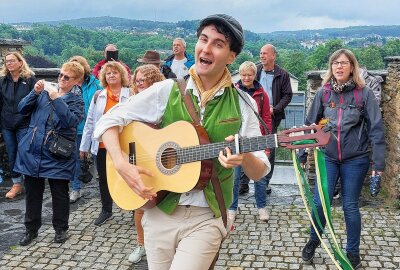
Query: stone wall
{"x": 8, "y": 45}
{"x": 391, "y": 119}
{"x": 390, "y": 105}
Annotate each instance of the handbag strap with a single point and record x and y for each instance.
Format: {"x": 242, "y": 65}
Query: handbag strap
{"x": 248, "y": 102}
{"x": 214, "y": 177}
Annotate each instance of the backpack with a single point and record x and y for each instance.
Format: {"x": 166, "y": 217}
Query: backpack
{"x": 374, "y": 82}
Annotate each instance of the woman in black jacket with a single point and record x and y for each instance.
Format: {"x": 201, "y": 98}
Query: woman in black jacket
{"x": 16, "y": 81}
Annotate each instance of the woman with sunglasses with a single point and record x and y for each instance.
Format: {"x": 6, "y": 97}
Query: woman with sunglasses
{"x": 89, "y": 86}
{"x": 114, "y": 78}
{"x": 56, "y": 110}
{"x": 16, "y": 81}
{"x": 143, "y": 77}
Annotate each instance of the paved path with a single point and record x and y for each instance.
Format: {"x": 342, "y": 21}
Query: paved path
{"x": 253, "y": 245}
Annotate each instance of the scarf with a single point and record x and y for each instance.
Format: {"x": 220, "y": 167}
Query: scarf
{"x": 207, "y": 95}
{"x": 338, "y": 88}
{"x": 111, "y": 96}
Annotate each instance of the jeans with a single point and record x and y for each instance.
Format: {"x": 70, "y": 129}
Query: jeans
{"x": 11, "y": 139}
{"x": 259, "y": 189}
{"x": 352, "y": 174}
{"x": 76, "y": 183}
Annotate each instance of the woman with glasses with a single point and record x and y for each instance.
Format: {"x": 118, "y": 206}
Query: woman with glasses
{"x": 16, "y": 81}
{"x": 143, "y": 77}
{"x": 114, "y": 79}
{"x": 56, "y": 110}
{"x": 355, "y": 120}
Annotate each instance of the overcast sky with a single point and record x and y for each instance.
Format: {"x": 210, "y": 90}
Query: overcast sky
{"x": 259, "y": 16}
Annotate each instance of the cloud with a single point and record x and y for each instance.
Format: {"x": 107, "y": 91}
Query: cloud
{"x": 255, "y": 15}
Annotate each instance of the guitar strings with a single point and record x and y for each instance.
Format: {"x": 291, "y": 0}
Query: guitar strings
{"x": 208, "y": 151}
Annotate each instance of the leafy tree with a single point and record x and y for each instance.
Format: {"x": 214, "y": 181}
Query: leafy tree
{"x": 370, "y": 58}
{"x": 319, "y": 58}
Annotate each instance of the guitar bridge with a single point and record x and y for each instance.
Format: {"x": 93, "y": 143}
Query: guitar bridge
{"x": 132, "y": 153}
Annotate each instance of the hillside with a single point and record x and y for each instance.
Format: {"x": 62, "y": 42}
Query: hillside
{"x": 187, "y": 28}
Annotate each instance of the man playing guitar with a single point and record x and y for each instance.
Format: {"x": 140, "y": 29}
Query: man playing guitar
{"x": 185, "y": 230}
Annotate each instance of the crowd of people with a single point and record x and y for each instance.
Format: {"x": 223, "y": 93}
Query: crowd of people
{"x": 83, "y": 111}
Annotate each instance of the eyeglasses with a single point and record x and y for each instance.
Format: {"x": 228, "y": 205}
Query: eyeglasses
{"x": 11, "y": 61}
{"x": 141, "y": 81}
{"x": 343, "y": 63}
{"x": 62, "y": 76}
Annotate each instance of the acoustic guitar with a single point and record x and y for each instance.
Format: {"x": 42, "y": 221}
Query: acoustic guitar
{"x": 180, "y": 157}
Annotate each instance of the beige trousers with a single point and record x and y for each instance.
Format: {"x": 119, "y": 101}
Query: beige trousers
{"x": 187, "y": 239}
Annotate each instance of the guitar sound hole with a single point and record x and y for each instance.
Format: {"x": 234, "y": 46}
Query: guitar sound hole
{"x": 168, "y": 158}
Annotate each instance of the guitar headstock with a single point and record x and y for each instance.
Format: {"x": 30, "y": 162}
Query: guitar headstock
{"x": 288, "y": 138}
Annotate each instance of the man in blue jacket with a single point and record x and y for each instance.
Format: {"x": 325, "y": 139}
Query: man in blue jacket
{"x": 179, "y": 61}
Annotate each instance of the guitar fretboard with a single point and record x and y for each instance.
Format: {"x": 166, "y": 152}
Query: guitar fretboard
{"x": 209, "y": 151}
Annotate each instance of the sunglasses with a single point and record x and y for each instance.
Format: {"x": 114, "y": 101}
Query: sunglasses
{"x": 62, "y": 76}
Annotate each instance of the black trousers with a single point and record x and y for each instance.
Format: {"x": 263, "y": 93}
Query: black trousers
{"x": 106, "y": 200}
{"x": 34, "y": 189}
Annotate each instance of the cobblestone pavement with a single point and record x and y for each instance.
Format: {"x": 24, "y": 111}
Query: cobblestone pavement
{"x": 252, "y": 245}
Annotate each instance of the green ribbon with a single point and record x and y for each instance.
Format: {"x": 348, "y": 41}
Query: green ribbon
{"x": 305, "y": 192}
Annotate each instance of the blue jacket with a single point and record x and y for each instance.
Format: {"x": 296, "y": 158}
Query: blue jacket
{"x": 188, "y": 63}
{"x": 89, "y": 87}
{"x": 33, "y": 157}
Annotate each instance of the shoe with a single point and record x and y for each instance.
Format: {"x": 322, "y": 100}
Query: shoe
{"x": 269, "y": 190}
{"x": 15, "y": 190}
{"x": 355, "y": 260}
{"x": 138, "y": 253}
{"x": 232, "y": 215}
{"x": 28, "y": 238}
{"x": 74, "y": 196}
{"x": 309, "y": 250}
{"x": 103, "y": 217}
{"x": 263, "y": 214}
{"x": 61, "y": 236}
{"x": 244, "y": 188}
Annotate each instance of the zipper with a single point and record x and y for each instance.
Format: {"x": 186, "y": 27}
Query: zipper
{"x": 33, "y": 134}
{"x": 339, "y": 122}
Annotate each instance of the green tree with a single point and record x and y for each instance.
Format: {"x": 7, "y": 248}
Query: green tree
{"x": 370, "y": 58}
{"x": 320, "y": 57}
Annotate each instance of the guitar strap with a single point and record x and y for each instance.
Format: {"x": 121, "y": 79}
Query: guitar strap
{"x": 248, "y": 102}
{"x": 214, "y": 178}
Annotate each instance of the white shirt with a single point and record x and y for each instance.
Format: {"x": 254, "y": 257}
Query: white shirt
{"x": 96, "y": 110}
{"x": 149, "y": 106}
{"x": 178, "y": 67}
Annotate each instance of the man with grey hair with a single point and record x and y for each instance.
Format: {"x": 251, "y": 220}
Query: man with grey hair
{"x": 179, "y": 61}
{"x": 276, "y": 83}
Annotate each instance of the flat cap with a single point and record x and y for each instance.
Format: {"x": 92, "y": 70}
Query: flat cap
{"x": 233, "y": 26}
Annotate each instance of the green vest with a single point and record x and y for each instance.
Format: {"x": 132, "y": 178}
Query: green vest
{"x": 222, "y": 117}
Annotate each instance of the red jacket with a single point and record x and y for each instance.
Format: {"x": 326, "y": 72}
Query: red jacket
{"x": 262, "y": 101}
{"x": 97, "y": 68}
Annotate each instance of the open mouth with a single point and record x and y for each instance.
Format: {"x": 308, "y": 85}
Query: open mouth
{"x": 205, "y": 61}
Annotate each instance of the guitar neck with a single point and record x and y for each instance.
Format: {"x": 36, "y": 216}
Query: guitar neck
{"x": 209, "y": 151}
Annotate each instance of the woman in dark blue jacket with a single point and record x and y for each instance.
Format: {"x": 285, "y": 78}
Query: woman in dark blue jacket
{"x": 16, "y": 81}
{"x": 60, "y": 109}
